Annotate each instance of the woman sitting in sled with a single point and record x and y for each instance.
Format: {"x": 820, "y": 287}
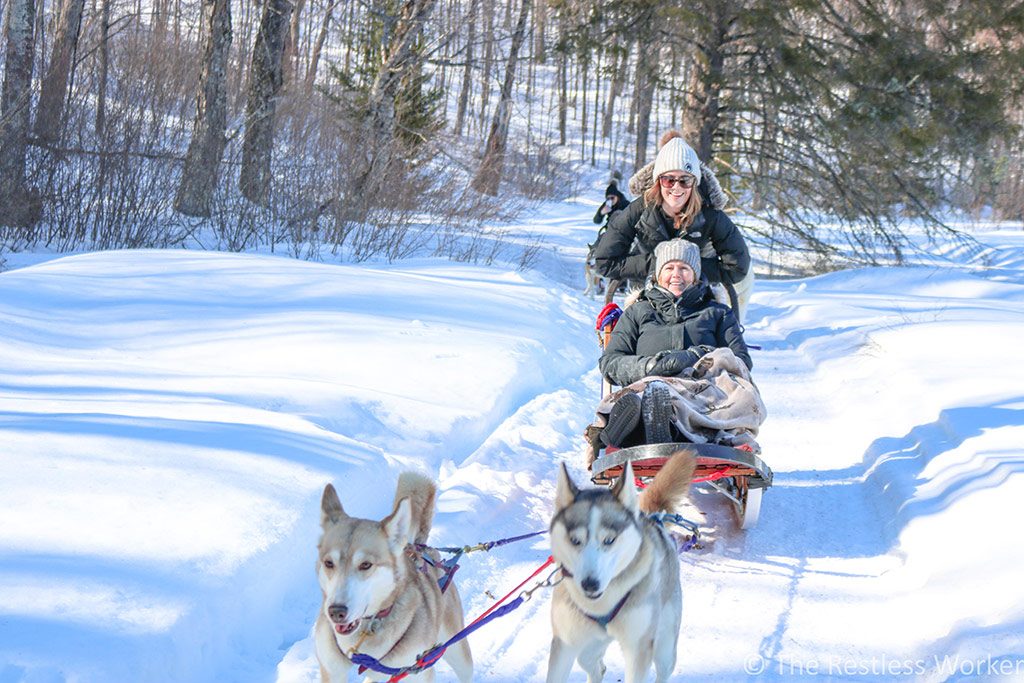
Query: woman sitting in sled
{"x": 681, "y": 361}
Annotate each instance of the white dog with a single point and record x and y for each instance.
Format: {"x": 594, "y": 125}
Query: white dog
{"x": 621, "y": 574}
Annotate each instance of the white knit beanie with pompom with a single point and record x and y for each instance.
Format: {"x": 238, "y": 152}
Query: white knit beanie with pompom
{"x": 676, "y": 155}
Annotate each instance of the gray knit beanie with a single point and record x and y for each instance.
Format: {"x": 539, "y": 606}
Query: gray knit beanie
{"x": 676, "y": 250}
{"x": 676, "y": 155}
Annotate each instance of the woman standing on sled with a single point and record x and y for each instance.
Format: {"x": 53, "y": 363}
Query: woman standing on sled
{"x": 671, "y": 206}
{"x": 672, "y": 325}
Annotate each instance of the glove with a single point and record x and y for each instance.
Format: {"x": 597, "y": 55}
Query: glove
{"x": 702, "y": 349}
{"x": 670, "y": 363}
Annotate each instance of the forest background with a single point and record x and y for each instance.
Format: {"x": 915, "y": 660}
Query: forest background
{"x": 391, "y": 128}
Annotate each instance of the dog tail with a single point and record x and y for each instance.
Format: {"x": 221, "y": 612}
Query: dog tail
{"x": 421, "y": 492}
{"x": 668, "y": 490}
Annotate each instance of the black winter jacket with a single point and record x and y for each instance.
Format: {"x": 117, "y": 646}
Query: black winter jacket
{"x": 659, "y": 321}
{"x": 649, "y": 226}
{"x": 620, "y": 204}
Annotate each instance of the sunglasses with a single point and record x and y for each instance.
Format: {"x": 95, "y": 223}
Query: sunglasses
{"x": 668, "y": 182}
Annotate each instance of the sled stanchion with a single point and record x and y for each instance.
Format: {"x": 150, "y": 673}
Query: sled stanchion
{"x": 606, "y": 320}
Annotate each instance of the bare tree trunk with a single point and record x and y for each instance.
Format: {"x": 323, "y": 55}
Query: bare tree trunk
{"x": 485, "y": 86}
{"x": 467, "y": 70}
{"x": 583, "y": 96}
{"x": 177, "y": 22}
{"x": 645, "y": 100}
{"x": 318, "y": 46}
{"x": 158, "y": 12}
{"x": 701, "y": 114}
{"x": 618, "y": 79}
{"x": 540, "y": 16}
{"x": 19, "y": 207}
{"x": 646, "y": 66}
{"x": 202, "y": 162}
{"x": 597, "y": 104}
{"x": 563, "y": 95}
{"x": 261, "y": 105}
{"x": 290, "y": 63}
{"x": 488, "y": 177}
{"x": 54, "y": 89}
{"x": 350, "y": 37}
{"x": 237, "y": 76}
{"x": 631, "y": 124}
{"x": 101, "y": 96}
{"x": 40, "y": 28}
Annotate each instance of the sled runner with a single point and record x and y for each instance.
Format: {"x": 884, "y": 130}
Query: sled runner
{"x": 737, "y": 473}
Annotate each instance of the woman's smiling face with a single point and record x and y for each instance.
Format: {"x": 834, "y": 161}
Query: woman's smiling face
{"x": 674, "y": 192}
{"x": 675, "y": 276}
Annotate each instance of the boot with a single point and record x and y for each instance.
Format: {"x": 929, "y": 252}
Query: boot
{"x": 622, "y": 420}
{"x": 656, "y": 408}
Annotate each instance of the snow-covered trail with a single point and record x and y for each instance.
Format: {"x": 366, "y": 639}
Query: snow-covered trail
{"x": 847, "y": 573}
{"x": 170, "y": 418}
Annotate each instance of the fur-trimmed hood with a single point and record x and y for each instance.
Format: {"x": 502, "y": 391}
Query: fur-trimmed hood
{"x": 718, "y": 293}
{"x": 643, "y": 179}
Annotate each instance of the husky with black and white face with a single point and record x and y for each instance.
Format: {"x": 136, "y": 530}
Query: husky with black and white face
{"x": 376, "y": 597}
{"x": 621, "y": 574}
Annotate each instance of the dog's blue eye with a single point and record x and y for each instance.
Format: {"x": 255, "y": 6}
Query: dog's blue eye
{"x": 576, "y": 541}
{"x": 609, "y": 541}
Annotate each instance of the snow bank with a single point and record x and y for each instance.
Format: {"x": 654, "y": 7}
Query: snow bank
{"x": 169, "y": 419}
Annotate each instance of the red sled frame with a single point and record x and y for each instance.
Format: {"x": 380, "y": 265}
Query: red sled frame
{"x": 739, "y": 475}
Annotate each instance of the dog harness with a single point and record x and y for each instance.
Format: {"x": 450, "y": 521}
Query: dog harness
{"x": 369, "y": 629}
{"x": 606, "y": 619}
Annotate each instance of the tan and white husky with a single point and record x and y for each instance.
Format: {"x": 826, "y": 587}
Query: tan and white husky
{"x": 621, "y": 574}
{"x": 379, "y": 597}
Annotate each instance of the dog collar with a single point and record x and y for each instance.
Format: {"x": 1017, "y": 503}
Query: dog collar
{"x": 606, "y": 619}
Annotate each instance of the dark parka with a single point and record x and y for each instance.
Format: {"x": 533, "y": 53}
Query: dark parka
{"x": 620, "y": 204}
{"x": 659, "y": 321}
{"x": 649, "y": 226}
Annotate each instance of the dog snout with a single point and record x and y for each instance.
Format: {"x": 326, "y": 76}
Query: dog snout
{"x": 590, "y": 586}
{"x": 338, "y": 613}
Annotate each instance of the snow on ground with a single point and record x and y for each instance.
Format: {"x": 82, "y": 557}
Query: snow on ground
{"x": 169, "y": 419}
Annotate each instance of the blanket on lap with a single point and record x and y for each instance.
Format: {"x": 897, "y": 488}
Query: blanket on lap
{"x": 715, "y": 402}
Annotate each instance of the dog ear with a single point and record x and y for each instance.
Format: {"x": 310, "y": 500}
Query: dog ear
{"x": 398, "y": 525}
{"x": 625, "y": 491}
{"x": 567, "y": 490}
{"x": 330, "y": 507}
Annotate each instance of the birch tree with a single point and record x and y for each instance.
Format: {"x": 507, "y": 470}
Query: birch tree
{"x": 382, "y": 114}
{"x": 488, "y": 177}
{"x": 467, "y": 69}
{"x": 18, "y": 205}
